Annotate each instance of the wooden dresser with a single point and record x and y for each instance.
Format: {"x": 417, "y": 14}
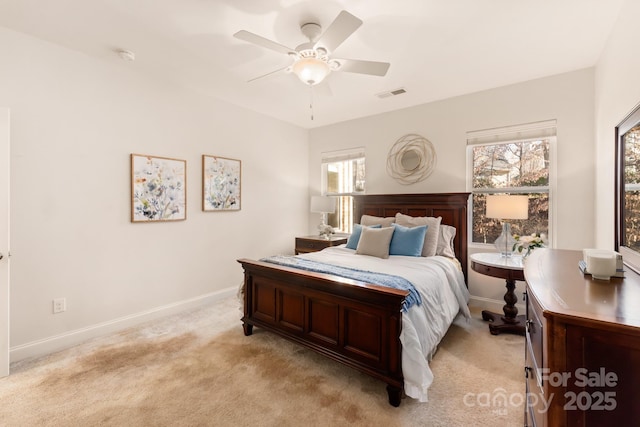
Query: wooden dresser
{"x": 582, "y": 357}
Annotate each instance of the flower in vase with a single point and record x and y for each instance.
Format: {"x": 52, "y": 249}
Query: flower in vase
{"x": 325, "y": 230}
{"x": 525, "y": 244}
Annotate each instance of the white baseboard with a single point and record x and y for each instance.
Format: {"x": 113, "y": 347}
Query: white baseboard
{"x": 69, "y": 339}
{"x": 492, "y": 304}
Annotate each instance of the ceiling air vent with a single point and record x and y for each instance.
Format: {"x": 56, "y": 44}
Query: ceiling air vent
{"x": 394, "y": 92}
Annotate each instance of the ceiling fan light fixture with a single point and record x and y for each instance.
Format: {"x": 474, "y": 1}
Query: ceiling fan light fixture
{"x": 311, "y": 61}
{"x": 311, "y": 71}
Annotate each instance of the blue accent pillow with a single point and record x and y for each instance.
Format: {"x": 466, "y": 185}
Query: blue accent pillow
{"x": 407, "y": 240}
{"x": 352, "y": 243}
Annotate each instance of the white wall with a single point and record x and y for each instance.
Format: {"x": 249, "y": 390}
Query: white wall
{"x": 75, "y": 121}
{"x": 568, "y": 98}
{"x": 617, "y": 88}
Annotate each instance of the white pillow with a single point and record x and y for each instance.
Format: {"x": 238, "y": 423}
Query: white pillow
{"x": 375, "y": 241}
{"x": 369, "y": 220}
{"x": 433, "y": 230}
{"x": 445, "y": 241}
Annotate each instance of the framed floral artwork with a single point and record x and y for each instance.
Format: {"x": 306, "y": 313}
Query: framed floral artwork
{"x": 158, "y": 189}
{"x": 221, "y": 179}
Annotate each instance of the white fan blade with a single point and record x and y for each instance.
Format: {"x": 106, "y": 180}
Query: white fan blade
{"x": 261, "y": 41}
{"x": 363, "y": 67}
{"x": 269, "y": 73}
{"x": 340, "y": 29}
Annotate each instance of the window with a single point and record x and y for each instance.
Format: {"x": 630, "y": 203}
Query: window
{"x": 343, "y": 175}
{"x": 627, "y": 238}
{"x": 513, "y": 160}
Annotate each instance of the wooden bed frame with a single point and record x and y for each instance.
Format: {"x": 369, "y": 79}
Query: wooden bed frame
{"x": 352, "y": 322}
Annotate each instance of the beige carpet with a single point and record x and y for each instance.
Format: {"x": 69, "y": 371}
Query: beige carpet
{"x": 198, "y": 369}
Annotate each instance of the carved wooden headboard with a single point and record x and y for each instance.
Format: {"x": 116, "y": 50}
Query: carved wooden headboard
{"x": 452, "y": 207}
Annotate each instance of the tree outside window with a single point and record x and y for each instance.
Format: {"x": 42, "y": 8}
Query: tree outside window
{"x": 520, "y": 167}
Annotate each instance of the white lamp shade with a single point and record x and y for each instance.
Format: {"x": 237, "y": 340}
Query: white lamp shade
{"x": 503, "y": 206}
{"x": 311, "y": 70}
{"x": 323, "y": 204}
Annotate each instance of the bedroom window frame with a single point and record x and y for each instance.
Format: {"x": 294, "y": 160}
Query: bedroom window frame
{"x": 530, "y": 132}
{"x": 348, "y": 180}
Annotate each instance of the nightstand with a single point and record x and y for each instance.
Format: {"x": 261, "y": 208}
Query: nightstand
{"x": 510, "y": 269}
{"x": 308, "y": 244}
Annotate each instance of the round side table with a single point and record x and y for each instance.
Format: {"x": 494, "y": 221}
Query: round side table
{"x": 510, "y": 269}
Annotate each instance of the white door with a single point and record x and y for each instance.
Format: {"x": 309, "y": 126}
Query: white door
{"x": 4, "y": 242}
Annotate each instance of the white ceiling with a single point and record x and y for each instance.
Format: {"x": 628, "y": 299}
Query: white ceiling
{"x": 437, "y": 48}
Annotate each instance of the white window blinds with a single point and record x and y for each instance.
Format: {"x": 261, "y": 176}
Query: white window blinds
{"x": 342, "y": 155}
{"x": 523, "y": 132}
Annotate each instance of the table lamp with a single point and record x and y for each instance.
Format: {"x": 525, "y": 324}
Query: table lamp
{"x": 505, "y": 207}
{"x": 323, "y": 205}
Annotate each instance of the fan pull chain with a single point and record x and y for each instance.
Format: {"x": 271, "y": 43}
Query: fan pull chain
{"x": 311, "y": 100}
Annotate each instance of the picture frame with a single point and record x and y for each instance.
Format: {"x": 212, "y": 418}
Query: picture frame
{"x": 221, "y": 184}
{"x": 158, "y": 189}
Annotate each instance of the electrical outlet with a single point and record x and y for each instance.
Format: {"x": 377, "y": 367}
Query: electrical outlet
{"x": 59, "y": 305}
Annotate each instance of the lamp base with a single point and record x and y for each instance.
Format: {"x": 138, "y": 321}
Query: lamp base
{"x": 504, "y": 243}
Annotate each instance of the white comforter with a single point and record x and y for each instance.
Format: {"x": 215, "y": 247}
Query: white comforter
{"x": 440, "y": 283}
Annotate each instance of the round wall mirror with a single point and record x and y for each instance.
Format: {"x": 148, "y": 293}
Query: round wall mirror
{"x": 411, "y": 159}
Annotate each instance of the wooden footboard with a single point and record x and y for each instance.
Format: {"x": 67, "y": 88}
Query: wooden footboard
{"x": 352, "y": 322}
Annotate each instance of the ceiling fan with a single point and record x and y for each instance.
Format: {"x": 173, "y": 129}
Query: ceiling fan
{"x": 312, "y": 61}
